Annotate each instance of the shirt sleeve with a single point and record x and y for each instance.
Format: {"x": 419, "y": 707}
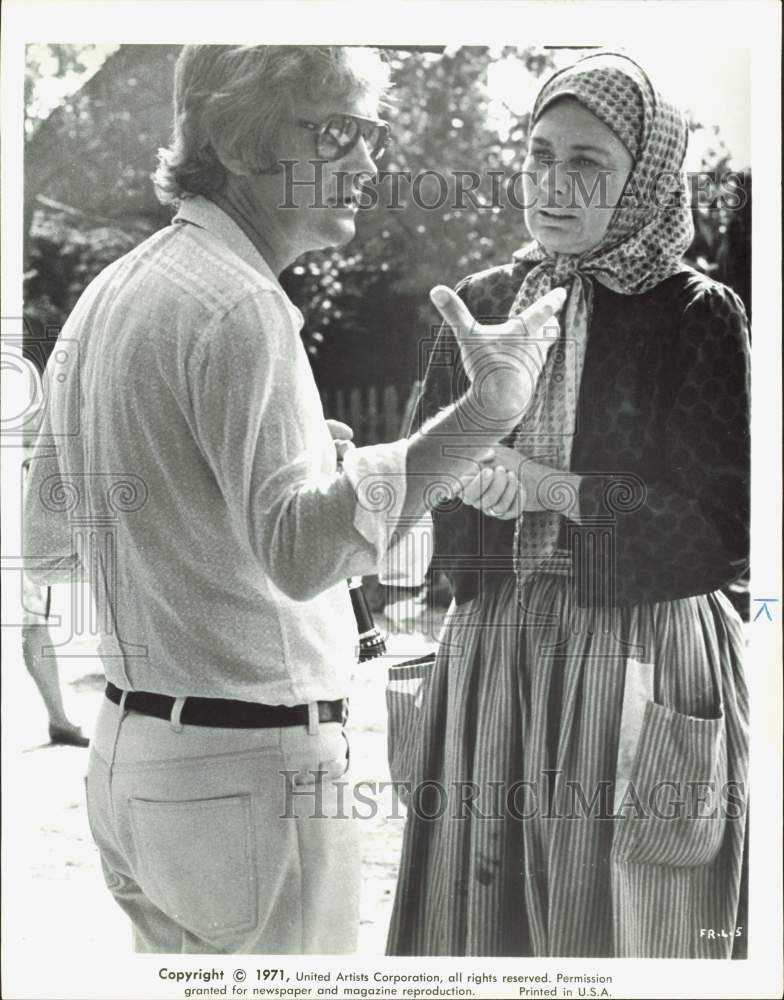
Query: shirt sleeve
{"x": 687, "y": 532}
{"x": 259, "y": 425}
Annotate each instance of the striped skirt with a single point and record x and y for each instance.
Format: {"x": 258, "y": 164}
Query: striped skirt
{"x": 575, "y": 780}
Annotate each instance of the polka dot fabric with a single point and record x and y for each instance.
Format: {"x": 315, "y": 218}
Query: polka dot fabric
{"x": 666, "y": 399}
{"x": 609, "y": 93}
{"x": 649, "y": 232}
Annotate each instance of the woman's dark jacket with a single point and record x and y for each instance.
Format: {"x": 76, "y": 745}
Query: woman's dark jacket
{"x": 661, "y": 439}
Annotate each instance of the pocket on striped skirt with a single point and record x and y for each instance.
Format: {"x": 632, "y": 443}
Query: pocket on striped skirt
{"x": 671, "y": 808}
{"x": 404, "y": 697}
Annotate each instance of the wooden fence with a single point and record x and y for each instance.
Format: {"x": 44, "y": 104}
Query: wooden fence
{"x": 374, "y": 413}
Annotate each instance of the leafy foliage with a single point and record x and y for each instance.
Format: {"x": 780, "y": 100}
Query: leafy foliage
{"x": 89, "y": 199}
{"x": 441, "y": 127}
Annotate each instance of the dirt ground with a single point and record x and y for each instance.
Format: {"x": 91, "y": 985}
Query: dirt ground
{"x": 54, "y": 893}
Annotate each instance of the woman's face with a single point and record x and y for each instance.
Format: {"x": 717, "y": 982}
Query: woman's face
{"x": 574, "y": 173}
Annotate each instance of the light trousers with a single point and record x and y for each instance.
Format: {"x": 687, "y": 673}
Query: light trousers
{"x": 225, "y": 840}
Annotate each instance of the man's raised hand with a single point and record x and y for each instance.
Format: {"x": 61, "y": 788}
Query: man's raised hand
{"x": 503, "y": 361}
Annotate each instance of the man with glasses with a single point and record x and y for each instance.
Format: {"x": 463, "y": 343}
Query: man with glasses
{"x": 213, "y": 783}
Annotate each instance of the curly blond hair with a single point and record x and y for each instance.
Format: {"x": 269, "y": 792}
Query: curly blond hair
{"x": 230, "y": 101}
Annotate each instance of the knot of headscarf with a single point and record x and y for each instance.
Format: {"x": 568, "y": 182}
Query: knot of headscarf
{"x": 650, "y": 230}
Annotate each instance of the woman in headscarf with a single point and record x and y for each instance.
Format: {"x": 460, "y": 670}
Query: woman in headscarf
{"x": 578, "y": 755}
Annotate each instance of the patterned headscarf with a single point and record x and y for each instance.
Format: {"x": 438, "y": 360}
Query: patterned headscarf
{"x": 650, "y": 230}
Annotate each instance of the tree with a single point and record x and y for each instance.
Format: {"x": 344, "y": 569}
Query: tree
{"x": 89, "y": 198}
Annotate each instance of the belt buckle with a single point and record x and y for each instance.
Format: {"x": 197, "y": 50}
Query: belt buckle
{"x": 327, "y": 711}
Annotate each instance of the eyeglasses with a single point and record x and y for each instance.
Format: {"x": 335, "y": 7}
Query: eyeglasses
{"x": 340, "y": 133}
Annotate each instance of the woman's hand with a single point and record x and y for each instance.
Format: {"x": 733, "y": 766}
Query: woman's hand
{"x": 495, "y": 491}
{"x": 503, "y": 361}
{"x": 540, "y": 487}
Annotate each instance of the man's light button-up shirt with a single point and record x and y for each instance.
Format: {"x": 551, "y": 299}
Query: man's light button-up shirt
{"x": 227, "y": 577}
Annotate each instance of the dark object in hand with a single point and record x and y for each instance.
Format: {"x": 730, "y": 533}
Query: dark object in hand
{"x": 371, "y": 642}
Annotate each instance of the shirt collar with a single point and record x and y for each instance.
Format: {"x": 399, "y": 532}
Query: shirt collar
{"x": 205, "y": 214}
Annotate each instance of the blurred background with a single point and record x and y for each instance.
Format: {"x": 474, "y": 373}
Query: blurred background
{"x": 96, "y": 115}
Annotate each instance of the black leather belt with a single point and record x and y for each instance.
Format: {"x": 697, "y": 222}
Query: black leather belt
{"x": 224, "y": 713}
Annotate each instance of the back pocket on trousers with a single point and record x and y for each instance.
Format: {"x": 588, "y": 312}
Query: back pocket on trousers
{"x": 195, "y": 860}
